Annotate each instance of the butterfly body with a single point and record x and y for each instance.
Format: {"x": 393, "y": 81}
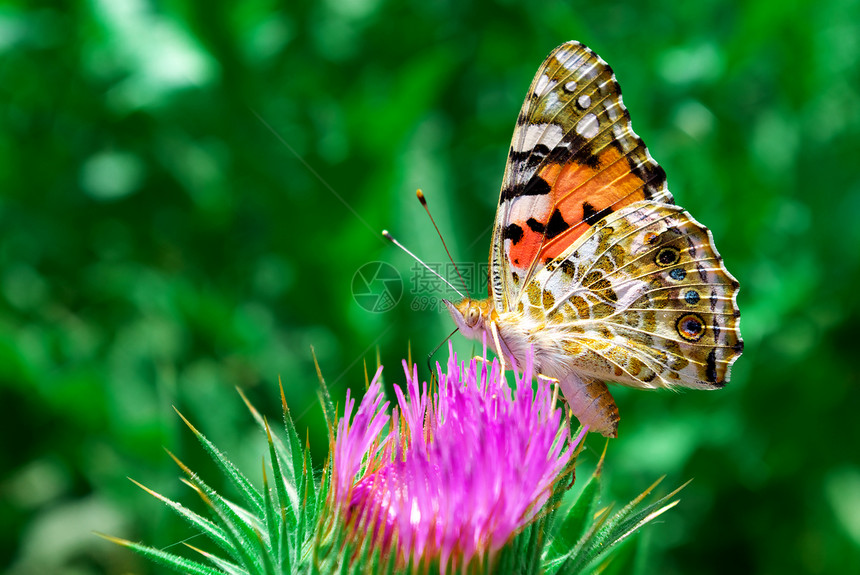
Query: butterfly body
{"x": 593, "y": 269}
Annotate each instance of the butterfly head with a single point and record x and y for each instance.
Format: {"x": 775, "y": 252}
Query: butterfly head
{"x": 471, "y": 315}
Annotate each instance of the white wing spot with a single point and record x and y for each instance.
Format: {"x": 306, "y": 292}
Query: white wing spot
{"x": 588, "y": 126}
{"x": 589, "y": 73}
{"x": 551, "y": 102}
{"x": 584, "y": 101}
{"x": 612, "y": 110}
{"x": 570, "y": 63}
{"x": 622, "y": 136}
{"x": 570, "y": 86}
{"x": 524, "y": 207}
{"x": 562, "y": 57}
{"x": 533, "y": 134}
{"x": 544, "y": 85}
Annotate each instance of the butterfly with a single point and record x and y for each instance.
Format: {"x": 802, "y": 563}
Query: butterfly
{"x": 593, "y": 268}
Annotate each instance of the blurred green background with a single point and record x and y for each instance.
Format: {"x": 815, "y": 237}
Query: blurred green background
{"x": 188, "y": 190}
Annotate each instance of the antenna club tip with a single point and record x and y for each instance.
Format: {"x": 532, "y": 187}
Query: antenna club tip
{"x": 386, "y": 235}
{"x": 420, "y": 195}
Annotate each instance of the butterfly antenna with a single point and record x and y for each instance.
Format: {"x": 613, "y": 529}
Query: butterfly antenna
{"x": 423, "y": 201}
{"x": 391, "y": 239}
{"x": 432, "y": 353}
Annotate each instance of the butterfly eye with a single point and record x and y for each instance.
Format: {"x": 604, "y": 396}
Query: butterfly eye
{"x": 667, "y": 256}
{"x": 472, "y": 317}
{"x": 691, "y": 327}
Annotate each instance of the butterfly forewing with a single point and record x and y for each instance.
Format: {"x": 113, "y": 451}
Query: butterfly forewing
{"x": 574, "y": 159}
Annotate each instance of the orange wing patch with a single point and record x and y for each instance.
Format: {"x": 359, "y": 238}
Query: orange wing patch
{"x": 527, "y": 235}
{"x": 580, "y": 196}
{"x": 584, "y": 195}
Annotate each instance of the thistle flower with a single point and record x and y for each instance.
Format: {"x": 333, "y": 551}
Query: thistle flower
{"x": 469, "y": 476}
{"x": 459, "y": 471}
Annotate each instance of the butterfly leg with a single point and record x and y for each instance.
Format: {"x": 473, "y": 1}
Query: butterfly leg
{"x": 592, "y": 404}
{"x": 487, "y": 363}
{"x": 555, "y": 385}
{"x": 494, "y": 329}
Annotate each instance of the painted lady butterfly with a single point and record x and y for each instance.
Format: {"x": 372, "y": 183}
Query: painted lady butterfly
{"x": 591, "y": 264}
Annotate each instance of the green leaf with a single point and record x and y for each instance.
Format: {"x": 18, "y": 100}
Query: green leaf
{"x": 294, "y": 459}
{"x": 307, "y": 511}
{"x": 171, "y": 560}
{"x": 286, "y": 499}
{"x": 197, "y": 522}
{"x": 288, "y": 558}
{"x": 289, "y": 477}
{"x": 238, "y": 527}
{"x": 629, "y": 525}
{"x": 329, "y": 542}
{"x": 293, "y": 451}
{"x": 309, "y": 505}
{"x": 608, "y": 533}
{"x": 252, "y": 497}
{"x": 619, "y": 561}
{"x": 266, "y": 556}
{"x": 225, "y": 566}
{"x": 531, "y": 558}
{"x": 570, "y": 530}
{"x": 273, "y": 519}
{"x": 325, "y": 398}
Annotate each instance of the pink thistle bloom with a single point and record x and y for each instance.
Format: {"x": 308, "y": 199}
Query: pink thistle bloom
{"x": 457, "y": 472}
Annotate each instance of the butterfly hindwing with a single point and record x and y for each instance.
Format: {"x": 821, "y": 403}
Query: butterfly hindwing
{"x": 574, "y": 159}
{"x": 642, "y": 299}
